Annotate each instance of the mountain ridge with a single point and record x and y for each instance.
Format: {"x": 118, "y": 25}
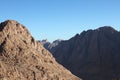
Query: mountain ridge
{"x": 23, "y": 58}
{"x": 91, "y": 55}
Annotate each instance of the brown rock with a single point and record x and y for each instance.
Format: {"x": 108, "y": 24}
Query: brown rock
{"x": 22, "y": 58}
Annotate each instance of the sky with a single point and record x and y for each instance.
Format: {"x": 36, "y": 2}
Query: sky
{"x": 61, "y": 19}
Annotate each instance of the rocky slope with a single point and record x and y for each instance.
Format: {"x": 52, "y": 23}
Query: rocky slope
{"x": 22, "y": 58}
{"x": 92, "y": 55}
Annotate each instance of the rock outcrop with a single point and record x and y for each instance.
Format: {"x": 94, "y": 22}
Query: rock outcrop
{"x": 92, "y": 55}
{"x": 22, "y": 58}
{"x": 49, "y": 45}
{"x": 45, "y": 43}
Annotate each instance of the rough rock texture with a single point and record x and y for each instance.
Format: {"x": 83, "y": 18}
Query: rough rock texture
{"x": 92, "y": 55}
{"x": 22, "y": 58}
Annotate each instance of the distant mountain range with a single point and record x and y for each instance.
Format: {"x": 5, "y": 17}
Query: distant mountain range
{"x": 23, "y": 58}
{"x": 91, "y": 55}
{"x": 48, "y": 45}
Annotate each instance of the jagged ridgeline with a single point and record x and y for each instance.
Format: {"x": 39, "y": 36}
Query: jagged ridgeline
{"x": 22, "y": 58}
{"x": 91, "y": 55}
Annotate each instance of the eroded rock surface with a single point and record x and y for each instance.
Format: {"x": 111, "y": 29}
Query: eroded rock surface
{"x": 22, "y": 58}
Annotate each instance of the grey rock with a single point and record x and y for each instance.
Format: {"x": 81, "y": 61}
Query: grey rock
{"x": 92, "y": 55}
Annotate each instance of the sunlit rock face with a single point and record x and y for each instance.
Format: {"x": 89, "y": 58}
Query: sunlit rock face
{"x": 22, "y": 58}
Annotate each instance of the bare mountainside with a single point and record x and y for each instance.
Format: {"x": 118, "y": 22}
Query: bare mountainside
{"x": 22, "y": 58}
{"x": 91, "y": 55}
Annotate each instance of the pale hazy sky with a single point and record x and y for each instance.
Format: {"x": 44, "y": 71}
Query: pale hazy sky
{"x": 53, "y": 19}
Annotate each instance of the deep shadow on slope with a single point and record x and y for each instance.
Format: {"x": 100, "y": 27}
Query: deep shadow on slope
{"x": 92, "y": 55}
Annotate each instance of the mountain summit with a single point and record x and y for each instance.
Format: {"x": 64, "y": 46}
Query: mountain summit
{"x": 92, "y": 55}
{"x": 22, "y": 58}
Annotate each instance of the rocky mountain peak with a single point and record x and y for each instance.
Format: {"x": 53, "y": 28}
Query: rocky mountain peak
{"x": 22, "y": 58}
{"x": 49, "y": 45}
{"x": 91, "y": 55}
{"x": 14, "y": 34}
{"x": 106, "y": 28}
{"x": 45, "y": 41}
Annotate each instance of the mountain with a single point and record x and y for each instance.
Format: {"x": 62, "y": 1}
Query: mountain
{"x": 49, "y": 45}
{"x": 23, "y": 58}
{"x": 45, "y": 43}
{"x": 91, "y": 55}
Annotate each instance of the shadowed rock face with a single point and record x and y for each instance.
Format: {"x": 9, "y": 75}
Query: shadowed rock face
{"x": 49, "y": 45}
{"x": 92, "y": 55}
{"x": 22, "y": 58}
{"x": 45, "y": 43}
